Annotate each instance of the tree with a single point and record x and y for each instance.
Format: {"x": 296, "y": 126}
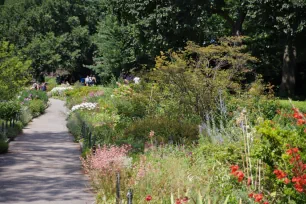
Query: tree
{"x": 14, "y": 71}
{"x": 232, "y": 11}
{"x": 55, "y": 34}
{"x": 115, "y": 51}
{"x": 286, "y": 21}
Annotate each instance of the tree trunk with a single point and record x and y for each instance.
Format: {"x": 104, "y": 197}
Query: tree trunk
{"x": 287, "y": 86}
{"x": 237, "y": 26}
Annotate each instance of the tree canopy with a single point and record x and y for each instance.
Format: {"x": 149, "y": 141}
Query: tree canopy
{"x": 14, "y": 71}
{"x": 114, "y": 37}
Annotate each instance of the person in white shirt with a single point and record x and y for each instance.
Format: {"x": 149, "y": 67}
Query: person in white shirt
{"x": 87, "y": 81}
{"x": 136, "y": 80}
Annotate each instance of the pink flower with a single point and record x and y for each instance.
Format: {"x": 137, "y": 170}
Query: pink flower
{"x": 108, "y": 159}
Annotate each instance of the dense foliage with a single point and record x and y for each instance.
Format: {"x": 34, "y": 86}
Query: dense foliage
{"x": 115, "y": 37}
{"x": 14, "y": 71}
{"x": 239, "y": 151}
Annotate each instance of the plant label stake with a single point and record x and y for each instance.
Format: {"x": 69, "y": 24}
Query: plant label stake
{"x": 118, "y": 188}
{"x": 89, "y": 140}
{"x": 130, "y": 196}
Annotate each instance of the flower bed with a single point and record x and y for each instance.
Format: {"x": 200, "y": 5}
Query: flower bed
{"x": 60, "y": 90}
{"x": 83, "y": 106}
{"x": 237, "y": 158}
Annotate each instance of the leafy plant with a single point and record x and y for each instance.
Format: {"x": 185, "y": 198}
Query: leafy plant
{"x": 28, "y": 95}
{"x": 3, "y": 146}
{"x": 37, "y": 107}
{"x": 201, "y": 73}
{"x": 14, "y": 71}
{"x": 9, "y": 110}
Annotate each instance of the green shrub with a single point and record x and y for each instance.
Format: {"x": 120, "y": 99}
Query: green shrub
{"x": 37, "y": 107}
{"x": 285, "y": 104}
{"x": 12, "y": 132}
{"x": 28, "y": 95}
{"x": 25, "y": 115}
{"x": 74, "y": 124}
{"x": 135, "y": 107}
{"x": 9, "y": 109}
{"x": 165, "y": 129}
{"x": 3, "y": 146}
{"x": 51, "y": 83}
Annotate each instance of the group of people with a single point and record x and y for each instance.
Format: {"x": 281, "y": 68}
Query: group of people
{"x": 89, "y": 80}
{"x": 42, "y": 86}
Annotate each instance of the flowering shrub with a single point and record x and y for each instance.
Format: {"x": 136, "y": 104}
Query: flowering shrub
{"x": 29, "y": 95}
{"x": 96, "y": 94}
{"x": 258, "y": 197}
{"x": 59, "y": 91}
{"x": 108, "y": 159}
{"x": 123, "y": 91}
{"x": 82, "y": 106}
{"x": 298, "y": 171}
{"x": 238, "y": 174}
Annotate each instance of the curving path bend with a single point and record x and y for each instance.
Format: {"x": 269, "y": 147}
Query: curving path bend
{"x": 43, "y": 164}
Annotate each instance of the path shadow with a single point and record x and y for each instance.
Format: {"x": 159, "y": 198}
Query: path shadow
{"x": 43, "y": 167}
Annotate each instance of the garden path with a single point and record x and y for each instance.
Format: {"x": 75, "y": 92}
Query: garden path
{"x": 43, "y": 164}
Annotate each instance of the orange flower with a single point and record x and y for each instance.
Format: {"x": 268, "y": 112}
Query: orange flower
{"x": 249, "y": 181}
{"x": 301, "y": 121}
{"x": 286, "y": 181}
{"x": 234, "y": 168}
{"x": 279, "y": 174}
{"x": 240, "y": 176}
{"x": 258, "y": 197}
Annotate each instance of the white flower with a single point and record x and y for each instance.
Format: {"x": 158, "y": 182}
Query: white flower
{"x": 60, "y": 90}
{"x": 85, "y": 105}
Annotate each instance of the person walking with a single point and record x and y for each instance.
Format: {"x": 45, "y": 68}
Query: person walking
{"x": 87, "y": 81}
{"x": 43, "y": 87}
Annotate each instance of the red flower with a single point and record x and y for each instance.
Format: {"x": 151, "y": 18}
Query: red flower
{"x": 296, "y": 158}
{"x": 286, "y": 181}
{"x": 234, "y": 168}
{"x": 301, "y": 121}
{"x": 258, "y": 197}
{"x": 296, "y": 179}
{"x": 297, "y": 115}
{"x": 266, "y": 202}
{"x": 298, "y": 187}
{"x": 279, "y": 174}
{"x": 240, "y": 175}
{"x": 251, "y": 195}
{"x": 148, "y": 198}
{"x": 292, "y": 150}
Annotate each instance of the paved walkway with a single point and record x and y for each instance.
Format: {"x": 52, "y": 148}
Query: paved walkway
{"x": 43, "y": 164}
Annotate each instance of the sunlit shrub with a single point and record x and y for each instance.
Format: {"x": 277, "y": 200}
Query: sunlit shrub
{"x": 166, "y": 130}
{"x": 37, "y": 107}
{"x": 28, "y": 95}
